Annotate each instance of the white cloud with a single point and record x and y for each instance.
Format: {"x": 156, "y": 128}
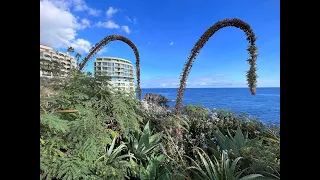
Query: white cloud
{"x": 81, "y": 44}
{"x": 111, "y": 11}
{"x": 80, "y": 5}
{"x": 103, "y": 50}
{"x": 134, "y": 20}
{"x": 203, "y": 84}
{"x": 171, "y": 43}
{"x": 62, "y": 4}
{"x": 85, "y": 22}
{"x": 110, "y": 24}
{"x": 58, "y": 27}
{"x": 126, "y": 29}
{"x": 94, "y": 12}
{"x": 128, "y": 19}
{"x": 149, "y": 42}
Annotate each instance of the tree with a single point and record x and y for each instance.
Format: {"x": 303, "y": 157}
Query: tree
{"x": 95, "y": 49}
{"x": 70, "y": 50}
{"x": 78, "y": 56}
{"x": 252, "y": 50}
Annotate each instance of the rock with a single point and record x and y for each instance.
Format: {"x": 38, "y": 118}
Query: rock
{"x": 156, "y": 99}
{"x": 155, "y": 103}
{"x": 151, "y": 107}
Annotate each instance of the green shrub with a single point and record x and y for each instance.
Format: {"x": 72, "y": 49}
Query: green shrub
{"x": 142, "y": 144}
{"x": 88, "y": 131}
{"x": 213, "y": 169}
{"x": 72, "y": 142}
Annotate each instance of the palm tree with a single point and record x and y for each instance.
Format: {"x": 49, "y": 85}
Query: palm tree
{"x": 70, "y": 50}
{"x": 95, "y": 49}
{"x": 78, "y": 56}
{"x": 252, "y": 50}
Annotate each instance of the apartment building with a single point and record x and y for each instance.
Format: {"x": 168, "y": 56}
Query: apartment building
{"x": 120, "y": 71}
{"x": 54, "y": 63}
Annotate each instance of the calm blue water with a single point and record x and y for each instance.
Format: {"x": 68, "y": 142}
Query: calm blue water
{"x": 265, "y": 104}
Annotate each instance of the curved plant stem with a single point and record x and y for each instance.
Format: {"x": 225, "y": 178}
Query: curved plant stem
{"x": 104, "y": 42}
{"x": 252, "y": 50}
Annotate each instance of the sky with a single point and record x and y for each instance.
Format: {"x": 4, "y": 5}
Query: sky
{"x": 165, "y": 32}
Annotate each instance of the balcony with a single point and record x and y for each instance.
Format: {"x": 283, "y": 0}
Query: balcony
{"x": 46, "y": 73}
{"x": 55, "y": 60}
{"x": 45, "y": 58}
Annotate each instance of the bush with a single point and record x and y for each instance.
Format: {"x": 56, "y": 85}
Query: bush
{"x": 87, "y": 131}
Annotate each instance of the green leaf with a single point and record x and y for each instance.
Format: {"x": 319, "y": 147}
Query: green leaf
{"x": 233, "y": 165}
{"x": 239, "y": 138}
{"x": 111, "y": 146}
{"x": 251, "y": 176}
{"x": 54, "y": 123}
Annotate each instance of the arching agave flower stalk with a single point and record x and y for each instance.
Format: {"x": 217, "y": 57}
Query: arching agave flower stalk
{"x": 97, "y": 47}
{"x": 252, "y": 50}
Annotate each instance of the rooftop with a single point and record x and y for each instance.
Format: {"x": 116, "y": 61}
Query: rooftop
{"x": 108, "y": 57}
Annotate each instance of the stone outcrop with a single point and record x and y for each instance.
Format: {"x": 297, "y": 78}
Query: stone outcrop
{"x": 152, "y": 108}
{"x": 155, "y": 103}
{"x": 156, "y": 99}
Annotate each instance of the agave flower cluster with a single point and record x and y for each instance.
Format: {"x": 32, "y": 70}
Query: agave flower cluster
{"x": 252, "y": 50}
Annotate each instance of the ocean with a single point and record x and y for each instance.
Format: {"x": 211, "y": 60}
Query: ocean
{"x": 265, "y": 105}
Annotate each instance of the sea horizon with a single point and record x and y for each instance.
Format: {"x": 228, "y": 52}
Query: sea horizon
{"x": 264, "y": 105}
{"x": 205, "y": 87}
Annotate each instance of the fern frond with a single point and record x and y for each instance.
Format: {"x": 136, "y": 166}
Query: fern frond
{"x": 54, "y": 123}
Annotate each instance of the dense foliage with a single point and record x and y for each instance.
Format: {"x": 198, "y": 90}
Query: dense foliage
{"x": 88, "y": 131}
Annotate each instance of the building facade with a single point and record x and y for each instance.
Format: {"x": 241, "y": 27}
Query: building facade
{"x": 120, "y": 71}
{"x": 54, "y": 63}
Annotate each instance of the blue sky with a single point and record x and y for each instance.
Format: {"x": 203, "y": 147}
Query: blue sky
{"x": 165, "y": 32}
